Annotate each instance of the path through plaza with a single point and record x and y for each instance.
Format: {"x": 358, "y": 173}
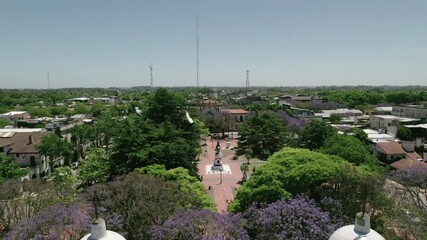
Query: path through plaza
{"x": 224, "y": 192}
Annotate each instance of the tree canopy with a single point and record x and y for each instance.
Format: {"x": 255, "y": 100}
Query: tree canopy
{"x": 54, "y": 147}
{"x": 314, "y": 134}
{"x": 9, "y": 169}
{"x": 348, "y": 148}
{"x": 263, "y": 134}
{"x": 142, "y": 201}
{"x": 286, "y": 173}
{"x": 186, "y": 182}
{"x": 159, "y": 134}
{"x": 94, "y": 168}
{"x": 297, "y": 218}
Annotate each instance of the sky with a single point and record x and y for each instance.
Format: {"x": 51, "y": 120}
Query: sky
{"x": 105, "y": 43}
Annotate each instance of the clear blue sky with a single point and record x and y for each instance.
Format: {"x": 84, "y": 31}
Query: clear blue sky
{"x": 104, "y": 43}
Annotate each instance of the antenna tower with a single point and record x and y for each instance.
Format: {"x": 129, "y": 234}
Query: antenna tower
{"x": 151, "y": 76}
{"x": 247, "y": 82}
{"x": 197, "y": 49}
{"x": 48, "y": 80}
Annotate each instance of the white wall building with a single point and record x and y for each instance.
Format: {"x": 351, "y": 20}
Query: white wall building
{"x": 20, "y": 145}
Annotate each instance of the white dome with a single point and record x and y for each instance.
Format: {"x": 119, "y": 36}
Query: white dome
{"x": 99, "y": 232}
{"x": 347, "y": 233}
{"x": 110, "y": 236}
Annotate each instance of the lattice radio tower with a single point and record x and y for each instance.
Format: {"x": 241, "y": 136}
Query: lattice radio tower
{"x": 151, "y": 77}
{"x": 197, "y": 49}
{"x": 48, "y": 80}
{"x": 247, "y": 82}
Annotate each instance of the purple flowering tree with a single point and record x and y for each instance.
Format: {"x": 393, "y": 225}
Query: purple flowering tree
{"x": 200, "y": 224}
{"x": 410, "y": 193}
{"x": 318, "y": 105}
{"x": 62, "y": 222}
{"x": 414, "y": 184}
{"x": 297, "y": 218}
{"x": 294, "y": 124}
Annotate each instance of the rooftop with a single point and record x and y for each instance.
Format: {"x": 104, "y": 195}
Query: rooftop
{"x": 19, "y": 142}
{"x": 391, "y": 148}
{"x": 234, "y": 111}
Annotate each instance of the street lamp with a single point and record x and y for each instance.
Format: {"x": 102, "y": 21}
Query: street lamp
{"x": 220, "y": 174}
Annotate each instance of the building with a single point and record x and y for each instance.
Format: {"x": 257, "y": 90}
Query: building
{"x": 210, "y": 114}
{"x": 20, "y": 145}
{"x": 398, "y": 156}
{"x": 389, "y": 152}
{"x": 235, "y": 115}
{"x": 384, "y": 122}
{"x": 410, "y": 111}
{"x": 342, "y": 112}
{"x": 15, "y": 116}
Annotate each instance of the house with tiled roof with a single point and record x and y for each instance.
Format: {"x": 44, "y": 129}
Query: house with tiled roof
{"x": 388, "y": 152}
{"x": 412, "y": 160}
{"x": 398, "y": 157}
{"x": 20, "y": 145}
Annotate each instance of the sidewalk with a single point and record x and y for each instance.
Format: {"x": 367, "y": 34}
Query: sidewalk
{"x": 221, "y": 193}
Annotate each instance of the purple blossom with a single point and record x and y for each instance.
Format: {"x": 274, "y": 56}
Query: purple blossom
{"x": 62, "y": 221}
{"x": 201, "y": 225}
{"x": 317, "y": 105}
{"x": 414, "y": 181}
{"x": 297, "y": 218}
{"x": 294, "y": 123}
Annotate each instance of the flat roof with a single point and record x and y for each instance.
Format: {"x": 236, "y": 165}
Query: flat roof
{"x": 22, "y": 130}
{"x": 400, "y": 119}
{"x": 14, "y": 113}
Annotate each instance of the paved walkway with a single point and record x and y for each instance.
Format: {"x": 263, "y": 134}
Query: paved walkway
{"x": 221, "y": 193}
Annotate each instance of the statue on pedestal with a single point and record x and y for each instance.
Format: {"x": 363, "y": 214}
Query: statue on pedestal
{"x": 217, "y": 161}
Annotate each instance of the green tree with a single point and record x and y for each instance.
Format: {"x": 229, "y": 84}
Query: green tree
{"x": 107, "y": 127}
{"x": 185, "y": 181}
{"x": 4, "y": 123}
{"x": 335, "y": 118}
{"x": 162, "y": 134}
{"x": 348, "y": 148}
{"x": 81, "y": 108}
{"x": 96, "y": 109}
{"x": 314, "y": 134}
{"x": 165, "y": 105}
{"x": 403, "y": 133}
{"x": 286, "y": 173}
{"x": 359, "y": 134}
{"x": 55, "y": 147}
{"x": 245, "y": 169}
{"x": 64, "y": 179}
{"x": 82, "y": 135}
{"x": 9, "y": 169}
{"x": 94, "y": 168}
{"x": 262, "y": 134}
{"x": 38, "y": 112}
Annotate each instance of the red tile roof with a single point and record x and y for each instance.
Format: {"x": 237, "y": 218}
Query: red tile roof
{"x": 407, "y": 163}
{"x": 391, "y": 148}
{"x": 414, "y": 156}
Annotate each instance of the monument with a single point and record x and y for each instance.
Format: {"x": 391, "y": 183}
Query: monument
{"x": 217, "y": 166}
